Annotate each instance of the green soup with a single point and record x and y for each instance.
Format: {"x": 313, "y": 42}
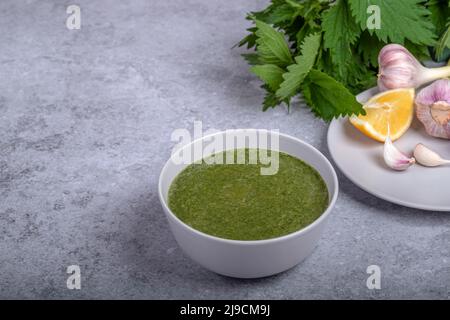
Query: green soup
{"x": 235, "y": 201}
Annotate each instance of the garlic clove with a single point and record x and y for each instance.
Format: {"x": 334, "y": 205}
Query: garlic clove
{"x": 428, "y": 157}
{"x": 394, "y": 158}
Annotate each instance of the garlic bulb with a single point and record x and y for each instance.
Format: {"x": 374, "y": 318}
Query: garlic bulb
{"x": 398, "y": 68}
{"x": 427, "y": 157}
{"x": 394, "y": 158}
{"x": 433, "y": 108}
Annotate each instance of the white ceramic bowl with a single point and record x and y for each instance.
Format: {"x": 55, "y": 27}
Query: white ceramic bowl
{"x": 250, "y": 259}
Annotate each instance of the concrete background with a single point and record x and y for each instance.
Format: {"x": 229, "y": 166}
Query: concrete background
{"x": 85, "y": 123}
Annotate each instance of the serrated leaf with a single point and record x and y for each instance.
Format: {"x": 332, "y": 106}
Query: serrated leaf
{"x": 294, "y": 4}
{"x": 443, "y": 43}
{"x": 270, "y": 101}
{"x": 439, "y": 10}
{"x": 281, "y": 13}
{"x": 249, "y": 40}
{"x": 368, "y": 47}
{"x": 303, "y": 63}
{"x": 305, "y": 30}
{"x": 400, "y": 20}
{"x": 251, "y": 58}
{"x": 422, "y": 53}
{"x": 346, "y": 61}
{"x": 271, "y": 45}
{"x": 340, "y": 32}
{"x": 327, "y": 97}
{"x": 270, "y": 74}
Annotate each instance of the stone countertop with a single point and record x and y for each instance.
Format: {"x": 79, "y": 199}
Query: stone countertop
{"x": 86, "y": 118}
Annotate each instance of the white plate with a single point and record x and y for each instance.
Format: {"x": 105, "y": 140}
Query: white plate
{"x": 361, "y": 160}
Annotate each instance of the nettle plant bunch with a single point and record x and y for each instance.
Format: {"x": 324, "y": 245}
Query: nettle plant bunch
{"x": 328, "y": 50}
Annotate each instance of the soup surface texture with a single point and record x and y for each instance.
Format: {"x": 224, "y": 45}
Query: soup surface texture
{"x": 235, "y": 201}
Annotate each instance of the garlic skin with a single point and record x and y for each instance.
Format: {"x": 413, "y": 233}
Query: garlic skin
{"x": 394, "y": 158}
{"x": 398, "y": 68}
{"x": 428, "y": 157}
{"x": 433, "y": 108}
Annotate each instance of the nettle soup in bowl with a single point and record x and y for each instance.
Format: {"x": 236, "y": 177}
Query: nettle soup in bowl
{"x": 247, "y": 203}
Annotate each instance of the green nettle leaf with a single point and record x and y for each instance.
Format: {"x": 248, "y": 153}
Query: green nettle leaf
{"x": 297, "y": 72}
{"x": 340, "y": 32}
{"x": 400, "y": 20}
{"x": 294, "y": 4}
{"x": 327, "y": 97}
{"x": 270, "y": 74}
{"x": 336, "y": 45}
{"x": 271, "y": 45}
{"x": 270, "y": 101}
{"x": 420, "y": 52}
{"x": 282, "y": 13}
{"x": 251, "y": 58}
{"x": 443, "y": 43}
{"x": 439, "y": 10}
{"x": 369, "y": 47}
{"x": 249, "y": 40}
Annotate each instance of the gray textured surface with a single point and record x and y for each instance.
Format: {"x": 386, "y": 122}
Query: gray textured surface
{"x": 86, "y": 118}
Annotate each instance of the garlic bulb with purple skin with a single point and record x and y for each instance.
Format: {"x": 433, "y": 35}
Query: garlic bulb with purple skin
{"x": 398, "y": 68}
{"x": 433, "y": 108}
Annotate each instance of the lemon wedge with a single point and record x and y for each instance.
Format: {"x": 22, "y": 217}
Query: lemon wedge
{"x": 390, "y": 110}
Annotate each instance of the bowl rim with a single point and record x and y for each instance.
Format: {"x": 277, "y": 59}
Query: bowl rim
{"x": 319, "y": 220}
